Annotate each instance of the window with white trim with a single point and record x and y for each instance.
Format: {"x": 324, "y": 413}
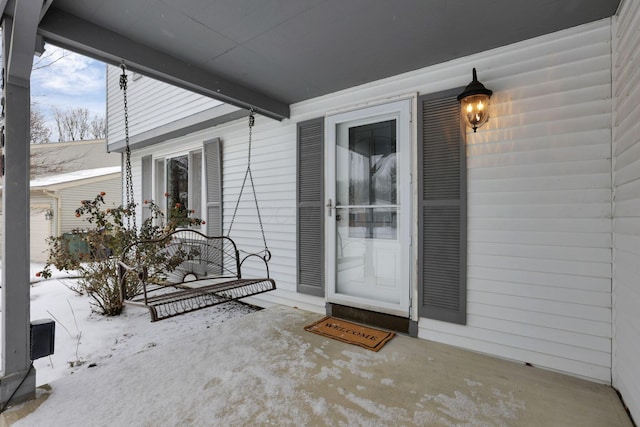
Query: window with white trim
{"x": 178, "y": 185}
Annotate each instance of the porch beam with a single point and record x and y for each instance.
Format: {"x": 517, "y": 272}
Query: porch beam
{"x": 18, "y": 41}
{"x": 3, "y": 5}
{"x": 70, "y": 32}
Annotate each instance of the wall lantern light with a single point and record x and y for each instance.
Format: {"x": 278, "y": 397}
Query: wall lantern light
{"x": 474, "y": 103}
{"x": 48, "y": 215}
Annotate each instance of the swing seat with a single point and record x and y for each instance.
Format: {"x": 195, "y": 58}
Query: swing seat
{"x": 185, "y": 271}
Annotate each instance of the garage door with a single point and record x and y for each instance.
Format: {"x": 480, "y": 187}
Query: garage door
{"x": 40, "y": 231}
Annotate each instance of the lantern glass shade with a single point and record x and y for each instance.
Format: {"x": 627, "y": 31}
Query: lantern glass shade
{"x": 475, "y": 110}
{"x": 474, "y": 103}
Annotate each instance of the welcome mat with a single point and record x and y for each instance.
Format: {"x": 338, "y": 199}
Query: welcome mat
{"x": 341, "y": 330}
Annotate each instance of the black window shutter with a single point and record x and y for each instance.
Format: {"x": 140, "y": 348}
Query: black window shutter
{"x": 213, "y": 173}
{"x": 309, "y": 207}
{"x": 442, "y": 208}
{"x": 146, "y": 187}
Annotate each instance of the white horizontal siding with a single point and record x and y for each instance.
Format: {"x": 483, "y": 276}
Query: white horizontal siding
{"x": 539, "y": 207}
{"x": 273, "y": 165}
{"x": 539, "y": 227}
{"x": 626, "y": 158}
{"x": 70, "y": 201}
{"x": 150, "y": 103}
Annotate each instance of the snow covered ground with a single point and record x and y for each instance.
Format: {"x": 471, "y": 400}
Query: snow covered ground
{"x": 84, "y": 339}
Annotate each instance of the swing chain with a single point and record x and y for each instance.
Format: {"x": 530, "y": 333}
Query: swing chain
{"x": 131, "y": 218}
{"x": 249, "y": 174}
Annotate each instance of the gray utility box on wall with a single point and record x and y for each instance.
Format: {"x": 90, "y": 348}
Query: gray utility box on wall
{"x": 43, "y": 334}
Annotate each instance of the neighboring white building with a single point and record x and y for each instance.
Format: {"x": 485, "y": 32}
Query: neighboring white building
{"x": 55, "y": 198}
{"x": 65, "y": 173}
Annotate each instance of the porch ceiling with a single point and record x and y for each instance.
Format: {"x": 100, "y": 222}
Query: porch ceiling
{"x": 273, "y": 53}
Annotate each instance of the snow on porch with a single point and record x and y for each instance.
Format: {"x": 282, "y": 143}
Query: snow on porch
{"x": 262, "y": 368}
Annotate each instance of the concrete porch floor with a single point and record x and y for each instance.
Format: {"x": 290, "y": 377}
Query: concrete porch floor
{"x": 264, "y": 369}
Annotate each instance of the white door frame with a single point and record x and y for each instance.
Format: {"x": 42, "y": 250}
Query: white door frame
{"x": 400, "y": 110}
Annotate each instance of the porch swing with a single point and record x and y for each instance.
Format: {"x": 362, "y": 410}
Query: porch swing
{"x": 186, "y": 270}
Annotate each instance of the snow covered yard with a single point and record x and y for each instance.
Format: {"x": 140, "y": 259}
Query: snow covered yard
{"x": 86, "y": 340}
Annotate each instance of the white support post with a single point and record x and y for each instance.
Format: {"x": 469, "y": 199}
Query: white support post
{"x": 17, "y": 382}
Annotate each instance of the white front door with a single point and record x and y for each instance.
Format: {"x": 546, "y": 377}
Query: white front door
{"x": 368, "y": 194}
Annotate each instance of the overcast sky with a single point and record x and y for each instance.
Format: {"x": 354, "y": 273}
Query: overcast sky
{"x": 74, "y": 81}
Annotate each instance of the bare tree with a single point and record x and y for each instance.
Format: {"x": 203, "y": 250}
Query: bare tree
{"x": 73, "y": 123}
{"x": 98, "y": 127}
{"x": 43, "y": 164}
{"x": 40, "y": 132}
{"x": 48, "y": 58}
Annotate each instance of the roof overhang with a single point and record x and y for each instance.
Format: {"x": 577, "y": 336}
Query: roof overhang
{"x": 269, "y": 55}
{"x": 81, "y": 36}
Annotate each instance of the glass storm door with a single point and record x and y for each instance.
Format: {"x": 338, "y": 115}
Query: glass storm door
{"x": 368, "y": 208}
